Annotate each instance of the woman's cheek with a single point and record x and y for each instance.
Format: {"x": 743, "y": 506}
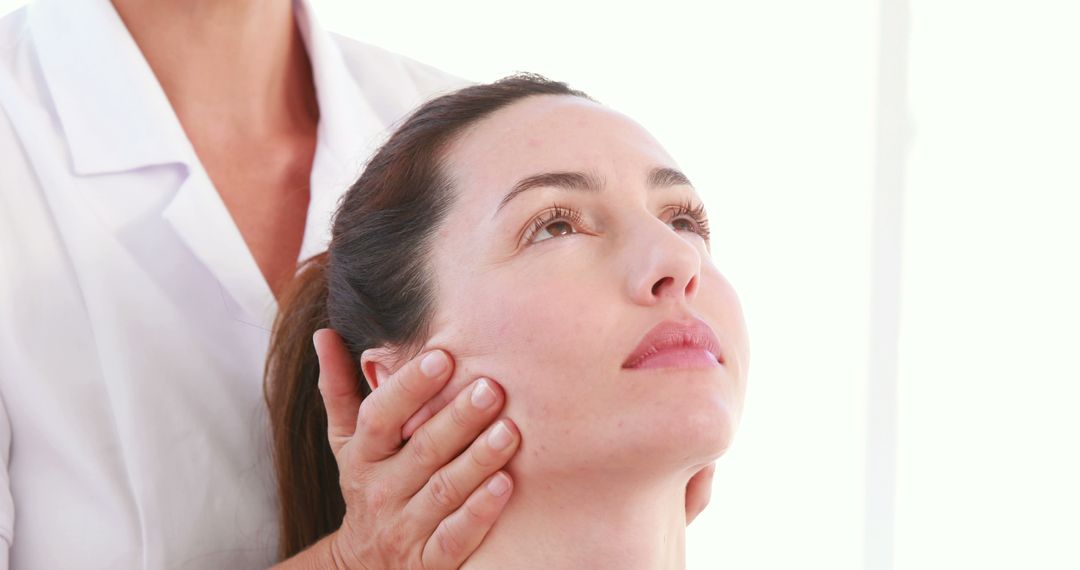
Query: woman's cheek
{"x": 722, "y": 307}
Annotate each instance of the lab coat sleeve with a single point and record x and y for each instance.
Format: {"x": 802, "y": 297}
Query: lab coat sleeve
{"x": 7, "y": 506}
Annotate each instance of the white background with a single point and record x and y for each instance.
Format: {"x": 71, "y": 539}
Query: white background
{"x": 907, "y": 256}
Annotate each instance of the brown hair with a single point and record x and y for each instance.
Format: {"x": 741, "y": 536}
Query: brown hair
{"x": 371, "y": 286}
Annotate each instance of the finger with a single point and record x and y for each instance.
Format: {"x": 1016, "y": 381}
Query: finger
{"x": 418, "y": 419}
{"x": 385, "y": 410}
{"x": 699, "y": 491}
{"x": 431, "y": 407}
{"x": 448, "y": 488}
{"x": 458, "y": 535}
{"x": 447, "y": 434}
{"x": 338, "y": 384}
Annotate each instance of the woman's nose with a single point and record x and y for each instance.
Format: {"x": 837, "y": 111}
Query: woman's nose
{"x": 665, "y": 267}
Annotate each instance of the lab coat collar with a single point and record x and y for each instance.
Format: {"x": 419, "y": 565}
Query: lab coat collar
{"x": 113, "y": 111}
{"x": 346, "y": 118}
{"x": 116, "y": 117}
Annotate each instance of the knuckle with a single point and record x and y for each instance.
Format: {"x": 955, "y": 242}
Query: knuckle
{"x": 408, "y": 380}
{"x": 367, "y": 421}
{"x": 422, "y": 447}
{"x": 458, "y": 414}
{"x": 475, "y": 511}
{"x": 482, "y": 457}
{"x": 443, "y": 491}
{"x": 448, "y": 540}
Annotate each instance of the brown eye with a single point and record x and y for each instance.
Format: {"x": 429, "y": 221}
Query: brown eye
{"x": 683, "y": 225}
{"x": 555, "y": 222}
{"x": 686, "y": 217}
{"x": 555, "y": 229}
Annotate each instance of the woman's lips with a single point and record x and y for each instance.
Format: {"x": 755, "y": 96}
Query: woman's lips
{"x": 671, "y": 344}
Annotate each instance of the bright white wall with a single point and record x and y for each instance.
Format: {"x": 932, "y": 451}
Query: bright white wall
{"x": 989, "y": 457}
{"x": 771, "y": 108}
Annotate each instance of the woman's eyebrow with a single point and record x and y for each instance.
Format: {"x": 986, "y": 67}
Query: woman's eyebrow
{"x": 660, "y": 177}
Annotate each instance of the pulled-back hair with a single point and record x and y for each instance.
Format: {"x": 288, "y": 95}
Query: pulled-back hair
{"x": 372, "y": 286}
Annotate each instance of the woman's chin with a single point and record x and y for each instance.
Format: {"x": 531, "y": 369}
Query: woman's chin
{"x": 696, "y": 436}
{"x": 650, "y": 423}
{"x": 647, "y": 444}
{"x": 698, "y": 423}
{"x": 704, "y": 434}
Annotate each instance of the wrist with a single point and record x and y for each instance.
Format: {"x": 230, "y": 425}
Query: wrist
{"x": 341, "y": 556}
{"x": 326, "y": 554}
{"x": 337, "y": 560}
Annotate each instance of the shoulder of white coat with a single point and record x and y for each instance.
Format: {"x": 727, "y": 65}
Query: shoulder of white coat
{"x": 393, "y": 83}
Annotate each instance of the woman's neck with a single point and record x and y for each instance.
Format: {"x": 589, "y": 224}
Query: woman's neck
{"x": 588, "y": 522}
{"x": 233, "y": 68}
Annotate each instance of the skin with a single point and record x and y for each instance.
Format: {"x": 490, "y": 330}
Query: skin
{"x": 562, "y": 309}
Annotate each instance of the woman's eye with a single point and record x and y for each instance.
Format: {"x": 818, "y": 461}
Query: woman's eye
{"x": 687, "y": 217}
{"x": 560, "y": 221}
{"x": 554, "y": 229}
{"x": 684, "y": 225}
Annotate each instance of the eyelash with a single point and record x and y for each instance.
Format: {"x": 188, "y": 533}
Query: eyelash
{"x": 559, "y": 213}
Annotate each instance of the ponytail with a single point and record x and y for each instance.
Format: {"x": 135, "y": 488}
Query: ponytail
{"x": 311, "y": 505}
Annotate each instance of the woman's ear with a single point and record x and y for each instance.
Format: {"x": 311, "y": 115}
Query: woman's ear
{"x": 377, "y": 364}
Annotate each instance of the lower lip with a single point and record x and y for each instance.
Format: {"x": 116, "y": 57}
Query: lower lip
{"x": 679, "y": 358}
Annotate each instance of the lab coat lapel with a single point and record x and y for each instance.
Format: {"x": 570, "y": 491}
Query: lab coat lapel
{"x": 203, "y": 223}
{"x": 112, "y": 110}
{"x": 116, "y": 117}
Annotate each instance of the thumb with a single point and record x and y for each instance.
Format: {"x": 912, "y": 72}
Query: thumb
{"x": 339, "y": 387}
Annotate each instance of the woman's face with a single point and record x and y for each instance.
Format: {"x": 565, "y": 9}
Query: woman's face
{"x": 550, "y": 290}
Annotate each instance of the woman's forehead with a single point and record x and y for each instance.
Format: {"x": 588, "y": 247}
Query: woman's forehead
{"x": 551, "y": 133}
{"x": 544, "y": 119}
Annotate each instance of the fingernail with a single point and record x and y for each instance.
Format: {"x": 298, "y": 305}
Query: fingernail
{"x": 500, "y": 436}
{"x": 482, "y": 395}
{"x": 433, "y": 364}
{"x": 498, "y": 485}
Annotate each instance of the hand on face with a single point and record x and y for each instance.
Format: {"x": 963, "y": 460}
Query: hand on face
{"x": 427, "y": 503}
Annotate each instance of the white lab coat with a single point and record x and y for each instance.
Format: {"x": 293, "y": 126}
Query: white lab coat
{"x": 134, "y": 321}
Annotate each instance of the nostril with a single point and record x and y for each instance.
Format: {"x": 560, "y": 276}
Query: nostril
{"x": 660, "y": 285}
{"x": 691, "y": 287}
